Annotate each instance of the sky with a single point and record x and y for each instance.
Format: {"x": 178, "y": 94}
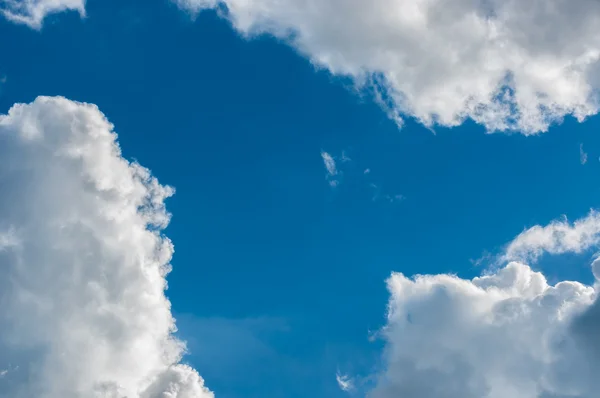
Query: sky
{"x": 299, "y": 198}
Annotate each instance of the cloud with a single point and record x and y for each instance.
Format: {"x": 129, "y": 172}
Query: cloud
{"x": 391, "y": 198}
{"x": 558, "y": 237}
{"x": 507, "y": 64}
{"x": 83, "y": 310}
{"x": 345, "y": 158}
{"x": 331, "y": 168}
{"x": 583, "y": 156}
{"x": 329, "y": 163}
{"x": 506, "y": 334}
{"x": 394, "y": 198}
{"x": 33, "y": 12}
{"x": 344, "y": 382}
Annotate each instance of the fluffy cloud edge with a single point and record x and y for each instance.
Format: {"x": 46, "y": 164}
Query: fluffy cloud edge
{"x": 498, "y": 63}
{"x": 84, "y": 311}
{"x": 558, "y": 237}
{"x": 508, "y": 332}
{"x": 33, "y": 12}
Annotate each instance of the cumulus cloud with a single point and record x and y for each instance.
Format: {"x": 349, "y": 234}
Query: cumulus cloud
{"x": 33, "y": 12}
{"x": 507, "y": 64}
{"x": 83, "y": 310}
{"x": 506, "y": 334}
{"x": 558, "y": 237}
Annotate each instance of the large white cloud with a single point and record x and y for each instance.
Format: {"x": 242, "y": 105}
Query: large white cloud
{"x": 33, "y": 12}
{"x": 82, "y": 306}
{"x": 508, "y": 64}
{"x": 508, "y": 333}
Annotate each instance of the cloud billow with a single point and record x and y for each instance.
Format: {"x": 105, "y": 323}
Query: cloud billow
{"x": 83, "y": 313}
{"x": 507, "y": 64}
{"x": 508, "y": 333}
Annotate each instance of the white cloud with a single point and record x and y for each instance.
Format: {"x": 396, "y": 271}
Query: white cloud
{"x": 344, "y": 382}
{"x": 33, "y": 12}
{"x": 329, "y": 163}
{"x": 83, "y": 311}
{"x": 8, "y": 239}
{"x": 507, "y": 64}
{"x": 583, "y": 156}
{"x": 331, "y": 168}
{"x": 558, "y": 237}
{"x": 507, "y": 334}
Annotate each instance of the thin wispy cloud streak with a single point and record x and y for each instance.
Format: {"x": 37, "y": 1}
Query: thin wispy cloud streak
{"x": 33, "y": 12}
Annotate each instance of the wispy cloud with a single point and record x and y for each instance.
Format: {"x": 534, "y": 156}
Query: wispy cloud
{"x": 583, "y": 156}
{"x": 345, "y": 158}
{"x": 8, "y": 370}
{"x": 331, "y": 168}
{"x": 329, "y": 163}
{"x": 558, "y": 237}
{"x": 378, "y": 195}
{"x": 33, "y": 12}
{"x": 394, "y": 198}
{"x": 344, "y": 382}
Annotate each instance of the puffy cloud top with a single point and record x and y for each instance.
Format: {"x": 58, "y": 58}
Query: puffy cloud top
{"x": 83, "y": 311}
{"x": 507, "y": 64}
{"x": 506, "y": 334}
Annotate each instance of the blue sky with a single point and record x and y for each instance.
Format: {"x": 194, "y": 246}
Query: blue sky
{"x": 279, "y": 278}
